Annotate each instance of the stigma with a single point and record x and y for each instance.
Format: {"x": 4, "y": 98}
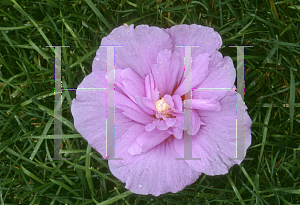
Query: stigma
{"x": 162, "y": 106}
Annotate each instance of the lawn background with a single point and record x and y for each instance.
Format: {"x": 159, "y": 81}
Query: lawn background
{"x": 27, "y": 99}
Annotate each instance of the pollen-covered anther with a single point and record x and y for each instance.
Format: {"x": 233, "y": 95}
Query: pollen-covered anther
{"x": 162, "y": 105}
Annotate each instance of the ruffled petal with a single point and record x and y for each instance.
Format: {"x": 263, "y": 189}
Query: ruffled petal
{"x": 203, "y": 104}
{"x": 141, "y": 46}
{"x": 133, "y": 84}
{"x": 92, "y": 126}
{"x": 215, "y": 143}
{"x": 149, "y": 127}
{"x": 203, "y": 155}
{"x": 177, "y": 103}
{"x": 192, "y": 126}
{"x": 149, "y": 140}
{"x": 170, "y": 121}
{"x": 221, "y": 75}
{"x": 177, "y": 132}
{"x": 155, "y": 172}
{"x": 145, "y": 104}
{"x": 206, "y": 38}
{"x": 180, "y": 121}
{"x": 150, "y": 88}
{"x": 116, "y": 73}
{"x": 165, "y": 72}
{"x": 199, "y": 73}
{"x": 129, "y": 108}
{"x": 89, "y": 112}
{"x": 195, "y": 35}
{"x": 148, "y": 103}
{"x": 122, "y": 123}
{"x": 135, "y": 148}
{"x": 161, "y": 124}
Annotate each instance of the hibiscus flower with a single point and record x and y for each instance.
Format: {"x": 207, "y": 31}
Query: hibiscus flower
{"x": 150, "y": 100}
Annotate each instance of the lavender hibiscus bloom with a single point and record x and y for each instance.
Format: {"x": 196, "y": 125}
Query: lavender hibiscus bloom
{"x": 149, "y": 107}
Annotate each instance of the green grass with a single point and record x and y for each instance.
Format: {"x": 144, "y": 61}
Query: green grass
{"x": 27, "y": 99}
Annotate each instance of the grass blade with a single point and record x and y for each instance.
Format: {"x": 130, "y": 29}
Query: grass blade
{"x": 292, "y": 99}
{"x": 116, "y": 198}
{"x": 97, "y": 12}
{"x": 64, "y": 186}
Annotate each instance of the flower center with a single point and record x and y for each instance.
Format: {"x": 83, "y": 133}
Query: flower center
{"x": 162, "y": 105}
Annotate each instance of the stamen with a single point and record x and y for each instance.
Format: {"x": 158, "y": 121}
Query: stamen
{"x": 162, "y": 105}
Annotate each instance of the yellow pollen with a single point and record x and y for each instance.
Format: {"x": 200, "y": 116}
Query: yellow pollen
{"x": 162, "y": 105}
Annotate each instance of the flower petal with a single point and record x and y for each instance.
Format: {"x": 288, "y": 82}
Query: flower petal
{"x": 155, "y": 172}
{"x": 89, "y": 112}
{"x": 165, "y": 72}
{"x": 193, "y": 35}
{"x": 149, "y": 140}
{"x": 170, "y": 121}
{"x": 141, "y": 46}
{"x": 150, "y": 88}
{"x": 221, "y": 75}
{"x": 177, "y": 132}
{"x": 199, "y": 73}
{"x": 122, "y": 123}
{"x": 203, "y": 104}
{"x": 135, "y": 148}
{"x": 146, "y": 104}
{"x": 180, "y": 121}
{"x": 118, "y": 83}
{"x": 203, "y": 155}
{"x": 92, "y": 126}
{"x": 177, "y": 103}
{"x": 192, "y": 128}
{"x": 169, "y": 100}
{"x": 126, "y": 145}
{"x": 129, "y": 108}
{"x": 161, "y": 124}
{"x": 133, "y": 84}
{"x": 149, "y": 127}
{"x": 215, "y": 143}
